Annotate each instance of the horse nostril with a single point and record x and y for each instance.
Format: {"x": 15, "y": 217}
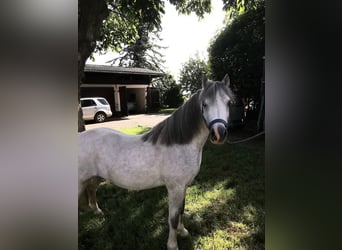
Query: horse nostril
{"x": 222, "y": 132}
{"x": 212, "y": 135}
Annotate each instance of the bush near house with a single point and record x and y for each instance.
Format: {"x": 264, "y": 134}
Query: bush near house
{"x": 172, "y": 97}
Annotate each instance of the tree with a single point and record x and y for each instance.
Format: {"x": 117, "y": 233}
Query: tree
{"x": 191, "y": 74}
{"x": 170, "y": 92}
{"x": 144, "y": 52}
{"x": 90, "y": 16}
{"x": 163, "y": 83}
{"x": 126, "y": 22}
{"x": 173, "y": 97}
{"x": 237, "y": 7}
{"x": 239, "y": 50}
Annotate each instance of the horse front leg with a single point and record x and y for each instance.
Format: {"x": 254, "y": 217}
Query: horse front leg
{"x": 176, "y": 210}
{"x": 181, "y": 230}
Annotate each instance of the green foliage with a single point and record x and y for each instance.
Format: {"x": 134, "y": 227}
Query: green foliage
{"x": 170, "y": 92}
{"x": 163, "y": 83}
{"x": 129, "y": 27}
{"x": 144, "y": 52}
{"x": 121, "y": 27}
{"x": 237, "y": 7}
{"x": 224, "y": 208}
{"x": 239, "y": 50}
{"x": 173, "y": 97}
{"x": 199, "y": 7}
{"x": 191, "y": 74}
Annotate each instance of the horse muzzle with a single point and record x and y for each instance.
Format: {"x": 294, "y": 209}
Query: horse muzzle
{"x": 218, "y": 133}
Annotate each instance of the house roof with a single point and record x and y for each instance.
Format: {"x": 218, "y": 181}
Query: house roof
{"x": 120, "y": 70}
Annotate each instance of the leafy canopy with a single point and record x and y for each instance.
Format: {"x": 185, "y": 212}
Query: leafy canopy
{"x": 239, "y": 50}
{"x": 170, "y": 92}
{"x": 191, "y": 74}
{"x": 237, "y": 7}
{"x": 121, "y": 26}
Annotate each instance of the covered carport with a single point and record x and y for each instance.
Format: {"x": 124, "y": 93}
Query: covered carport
{"x": 121, "y": 86}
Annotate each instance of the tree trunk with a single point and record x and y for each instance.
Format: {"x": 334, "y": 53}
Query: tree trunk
{"x": 91, "y": 13}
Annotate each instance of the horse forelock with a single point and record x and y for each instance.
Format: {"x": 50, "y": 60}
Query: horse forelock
{"x": 213, "y": 87}
{"x": 181, "y": 127}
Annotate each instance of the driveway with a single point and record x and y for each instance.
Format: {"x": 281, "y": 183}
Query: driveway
{"x": 147, "y": 120}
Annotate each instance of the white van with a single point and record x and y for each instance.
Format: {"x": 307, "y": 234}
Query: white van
{"x": 95, "y": 108}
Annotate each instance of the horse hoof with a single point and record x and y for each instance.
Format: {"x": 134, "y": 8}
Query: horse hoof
{"x": 183, "y": 233}
{"x": 98, "y": 212}
{"x": 172, "y": 248}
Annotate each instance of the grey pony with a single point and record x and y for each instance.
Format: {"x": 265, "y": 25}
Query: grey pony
{"x": 168, "y": 155}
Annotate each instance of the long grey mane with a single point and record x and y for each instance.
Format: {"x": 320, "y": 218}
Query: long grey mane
{"x": 180, "y": 127}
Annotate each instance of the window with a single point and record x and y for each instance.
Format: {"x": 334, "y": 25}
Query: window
{"x": 103, "y": 101}
{"x": 87, "y": 103}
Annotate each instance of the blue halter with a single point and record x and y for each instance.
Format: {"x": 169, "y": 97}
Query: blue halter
{"x": 210, "y": 125}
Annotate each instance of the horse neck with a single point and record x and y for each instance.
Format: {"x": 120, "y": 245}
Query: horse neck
{"x": 201, "y": 137}
{"x": 184, "y": 126}
{"x": 191, "y": 114}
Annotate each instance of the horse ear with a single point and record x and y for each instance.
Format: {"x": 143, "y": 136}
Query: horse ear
{"x": 204, "y": 81}
{"x": 226, "y": 80}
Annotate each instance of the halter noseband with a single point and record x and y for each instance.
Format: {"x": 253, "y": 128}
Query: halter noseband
{"x": 210, "y": 125}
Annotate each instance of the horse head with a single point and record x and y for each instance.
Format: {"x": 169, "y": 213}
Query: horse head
{"x": 215, "y": 99}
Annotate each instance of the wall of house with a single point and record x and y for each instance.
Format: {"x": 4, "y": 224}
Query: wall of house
{"x": 141, "y": 100}
{"x": 137, "y": 95}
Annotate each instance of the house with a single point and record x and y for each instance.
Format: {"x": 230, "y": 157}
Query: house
{"x": 126, "y": 89}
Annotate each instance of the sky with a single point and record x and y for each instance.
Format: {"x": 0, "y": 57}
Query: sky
{"x": 184, "y": 36}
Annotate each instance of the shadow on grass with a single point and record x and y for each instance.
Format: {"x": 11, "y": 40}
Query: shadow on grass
{"x": 132, "y": 220}
{"x": 231, "y": 215}
{"x": 238, "y": 207}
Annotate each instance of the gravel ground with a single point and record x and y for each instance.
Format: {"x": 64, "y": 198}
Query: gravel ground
{"x": 147, "y": 120}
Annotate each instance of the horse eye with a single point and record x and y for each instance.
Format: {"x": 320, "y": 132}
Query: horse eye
{"x": 229, "y": 103}
{"x": 204, "y": 105}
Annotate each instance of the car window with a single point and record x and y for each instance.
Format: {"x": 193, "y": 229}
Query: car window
{"x": 103, "y": 101}
{"x": 87, "y": 103}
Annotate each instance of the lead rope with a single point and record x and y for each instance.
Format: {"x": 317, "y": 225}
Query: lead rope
{"x": 246, "y": 139}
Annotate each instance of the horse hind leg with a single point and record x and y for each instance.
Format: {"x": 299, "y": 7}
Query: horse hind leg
{"x": 90, "y": 193}
{"x": 176, "y": 210}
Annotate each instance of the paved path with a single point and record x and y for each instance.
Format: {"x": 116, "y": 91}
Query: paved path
{"x": 147, "y": 120}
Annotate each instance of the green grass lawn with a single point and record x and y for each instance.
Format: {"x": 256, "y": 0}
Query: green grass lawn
{"x": 135, "y": 130}
{"x": 224, "y": 207}
{"x": 166, "y": 110}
